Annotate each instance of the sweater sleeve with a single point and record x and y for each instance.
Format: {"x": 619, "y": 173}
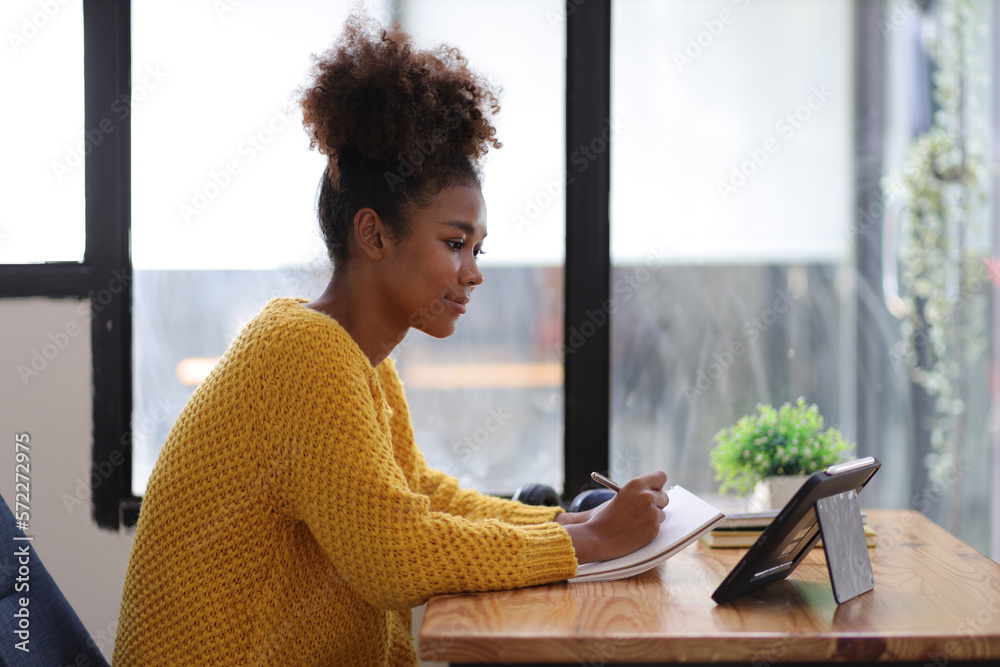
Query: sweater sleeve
{"x": 442, "y": 489}
{"x": 332, "y": 434}
{"x": 447, "y": 496}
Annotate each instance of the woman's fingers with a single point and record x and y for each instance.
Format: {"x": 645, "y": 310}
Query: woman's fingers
{"x": 651, "y": 483}
{"x": 628, "y": 521}
{"x": 655, "y": 480}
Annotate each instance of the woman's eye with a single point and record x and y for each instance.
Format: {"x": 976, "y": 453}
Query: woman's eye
{"x": 457, "y": 246}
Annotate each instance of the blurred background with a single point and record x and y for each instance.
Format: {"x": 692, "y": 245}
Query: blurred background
{"x": 803, "y": 204}
{"x": 735, "y": 222}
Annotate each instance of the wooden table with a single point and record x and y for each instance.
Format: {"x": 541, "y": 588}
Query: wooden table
{"x": 936, "y": 602}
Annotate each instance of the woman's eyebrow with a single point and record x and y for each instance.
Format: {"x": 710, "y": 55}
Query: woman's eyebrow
{"x": 466, "y": 227}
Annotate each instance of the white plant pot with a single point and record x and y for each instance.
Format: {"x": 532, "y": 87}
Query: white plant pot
{"x": 775, "y": 492}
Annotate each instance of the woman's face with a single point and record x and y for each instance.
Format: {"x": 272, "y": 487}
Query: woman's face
{"x": 433, "y": 270}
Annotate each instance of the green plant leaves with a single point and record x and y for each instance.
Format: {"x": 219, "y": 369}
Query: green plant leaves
{"x": 786, "y": 441}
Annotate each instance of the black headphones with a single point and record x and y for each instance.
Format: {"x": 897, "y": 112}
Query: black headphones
{"x": 540, "y": 494}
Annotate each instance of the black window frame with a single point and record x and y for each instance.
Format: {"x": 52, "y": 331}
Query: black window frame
{"x": 104, "y": 275}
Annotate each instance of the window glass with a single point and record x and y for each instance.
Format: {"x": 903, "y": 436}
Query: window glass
{"x": 223, "y": 219}
{"x": 739, "y": 153}
{"x": 487, "y": 403}
{"x": 735, "y": 233}
{"x": 222, "y": 175}
{"x": 729, "y": 213}
{"x": 41, "y": 175}
{"x": 223, "y": 187}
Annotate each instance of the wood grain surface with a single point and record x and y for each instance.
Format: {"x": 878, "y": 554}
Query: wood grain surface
{"x": 936, "y": 600}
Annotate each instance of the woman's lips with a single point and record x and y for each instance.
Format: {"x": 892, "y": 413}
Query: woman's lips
{"x": 459, "y": 304}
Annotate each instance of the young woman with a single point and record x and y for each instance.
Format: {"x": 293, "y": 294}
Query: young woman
{"x": 290, "y": 518}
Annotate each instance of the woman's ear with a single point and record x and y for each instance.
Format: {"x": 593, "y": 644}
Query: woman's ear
{"x": 370, "y": 233}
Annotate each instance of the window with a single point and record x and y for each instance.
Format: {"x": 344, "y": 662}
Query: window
{"x": 50, "y": 231}
{"x": 728, "y": 220}
{"x": 223, "y": 188}
{"x": 730, "y": 215}
{"x": 224, "y": 219}
{"x": 752, "y": 259}
{"x": 487, "y": 403}
{"x": 45, "y": 147}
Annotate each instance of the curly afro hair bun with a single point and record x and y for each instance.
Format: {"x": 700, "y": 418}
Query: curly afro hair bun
{"x": 396, "y": 124}
{"x": 374, "y": 94}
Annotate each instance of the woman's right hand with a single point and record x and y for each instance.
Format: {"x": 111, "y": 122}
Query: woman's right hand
{"x": 625, "y": 523}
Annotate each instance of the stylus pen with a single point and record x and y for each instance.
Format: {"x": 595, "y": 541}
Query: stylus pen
{"x": 604, "y": 481}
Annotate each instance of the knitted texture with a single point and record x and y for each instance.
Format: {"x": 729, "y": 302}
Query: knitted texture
{"x": 291, "y": 519}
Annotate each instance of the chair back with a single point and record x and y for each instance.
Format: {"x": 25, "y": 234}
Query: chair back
{"x": 37, "y": 624}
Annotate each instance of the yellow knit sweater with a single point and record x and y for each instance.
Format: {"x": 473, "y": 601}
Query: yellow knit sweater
{"x": 291, "y": 519}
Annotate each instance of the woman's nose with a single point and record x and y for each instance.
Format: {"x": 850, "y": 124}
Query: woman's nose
{"x": 471, "y": 274}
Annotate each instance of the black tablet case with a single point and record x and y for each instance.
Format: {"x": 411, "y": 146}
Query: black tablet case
{"x": 826, "y": 505}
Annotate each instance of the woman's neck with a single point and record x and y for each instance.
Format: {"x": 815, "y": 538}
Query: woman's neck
{"x": 348, "y": 300}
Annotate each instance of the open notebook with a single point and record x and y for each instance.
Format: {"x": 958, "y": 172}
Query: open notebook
{"x": 688, "y": 517}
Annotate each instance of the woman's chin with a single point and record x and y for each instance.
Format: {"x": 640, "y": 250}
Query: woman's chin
{"x": 438, "y": 329}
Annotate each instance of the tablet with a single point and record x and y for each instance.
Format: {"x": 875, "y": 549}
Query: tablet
{"x": 794, "y": 532}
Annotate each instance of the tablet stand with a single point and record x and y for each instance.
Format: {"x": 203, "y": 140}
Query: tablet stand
{"x": 843, "y": 536}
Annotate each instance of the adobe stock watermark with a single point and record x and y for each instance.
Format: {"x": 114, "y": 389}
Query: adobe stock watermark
{"x": 102, "y": 298}
{"x": 226, "y": 518}
{"x": 39, "y": 360}
{"x": 59, "y": 340}
{"x": 580, "y": 160}
{"x": 696, "y": 45}
{"x": 423, "y": 317}
{"x": 776, "y": 651}
{"x": 471, "y": 443}
{"x": 892, "y": 187}
{"x": 101, "y": 471}
{"x": 988, "y": 617}
{"x": 429, "y": 313}
{"x": 786, "y": 127}
{"x": 603, "y": 652}
{"x": 970, "y": 631}
{"x": 904, "y": 352}
{"x": 624, "y": 289}
{"x": 557, "y": 18}
{"x": 924, "y": 501}
{"x": 407, "y": 165}
{"x": 896, "y": 532}
{"x": 223, "y": 8}
{"x": 313, "y": 276}
{"x": 279, "y": 643}
{"x": 218, "y": 180}
{"x": 619, "y": 468}
{"x": 897, "y": 18}
{"x": 458, "y": 626}
{"x": 867, "y": 218}
{"x": 407, "y": 340}
{"x": 752, "y": 329}
{"x": 121, "y": 108}
{"x": 102, "y": 640}
{"x": 31, "y": 25}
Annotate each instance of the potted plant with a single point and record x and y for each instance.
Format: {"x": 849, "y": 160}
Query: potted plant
{"x": 773, "y": 449}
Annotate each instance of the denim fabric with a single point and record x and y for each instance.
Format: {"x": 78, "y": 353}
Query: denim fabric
{"x": 54, "y": 635}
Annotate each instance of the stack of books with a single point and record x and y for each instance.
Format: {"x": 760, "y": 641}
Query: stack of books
{"x": 741, "y": 530}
